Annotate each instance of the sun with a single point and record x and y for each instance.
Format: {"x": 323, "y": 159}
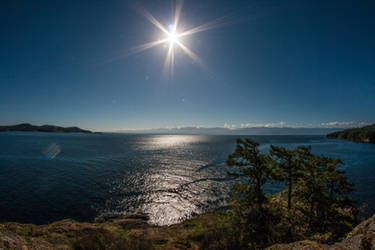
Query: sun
{"x": 172, "y": 38}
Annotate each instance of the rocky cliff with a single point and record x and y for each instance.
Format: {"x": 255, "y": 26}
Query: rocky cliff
{"x": 362, "y": 237}
{"x": 132, "y": 232}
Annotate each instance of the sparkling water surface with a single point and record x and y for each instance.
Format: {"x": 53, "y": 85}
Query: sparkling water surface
{"x": 51, "y": 176}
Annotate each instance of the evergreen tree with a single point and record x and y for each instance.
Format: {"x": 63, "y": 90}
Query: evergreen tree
{"x": 324, "y": 188}
{"x": 315, "y": 185}
{"x": 288, "y": 167}
{"x": 336, "y": 188}
{"x": 254, "y": 169}
{"x": 252, "y": 166}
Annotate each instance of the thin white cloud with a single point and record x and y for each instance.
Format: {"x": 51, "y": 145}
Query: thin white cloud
{"x": 230, "y": 126}
{"x": 337, "y": 124}
{"x": 350, "y": 124}
{"x": 163, "y": 128}
{"x": 362, "y": 124}
{"x": 265, "y": 125}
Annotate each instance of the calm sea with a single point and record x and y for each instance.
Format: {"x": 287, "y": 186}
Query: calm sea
{"x": 51, "y": 176}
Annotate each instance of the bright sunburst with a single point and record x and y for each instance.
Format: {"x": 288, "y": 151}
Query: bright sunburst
{"x": 172, "y": 36}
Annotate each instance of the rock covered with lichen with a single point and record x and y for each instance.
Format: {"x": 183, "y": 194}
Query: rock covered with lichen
{"x": 362, "y": 237}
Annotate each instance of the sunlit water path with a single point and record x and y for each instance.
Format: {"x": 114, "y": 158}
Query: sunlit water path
{"x": 48, "y": 176}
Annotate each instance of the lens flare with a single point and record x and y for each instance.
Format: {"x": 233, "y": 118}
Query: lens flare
{"x": 172, "y": 37}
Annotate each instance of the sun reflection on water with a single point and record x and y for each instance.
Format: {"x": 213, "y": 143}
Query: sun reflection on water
{"x": 173, "y": 180}
{"x": 173, "y": 140}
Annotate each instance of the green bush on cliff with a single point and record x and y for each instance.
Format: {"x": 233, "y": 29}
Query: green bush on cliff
{"x": 314, "y": 203}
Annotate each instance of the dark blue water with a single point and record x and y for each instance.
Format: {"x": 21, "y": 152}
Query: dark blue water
{"x": 50, "y": 176}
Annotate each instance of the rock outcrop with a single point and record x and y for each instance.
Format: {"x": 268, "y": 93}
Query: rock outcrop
{"x": 362, "y": 237}
{"x": 133, "y": 232}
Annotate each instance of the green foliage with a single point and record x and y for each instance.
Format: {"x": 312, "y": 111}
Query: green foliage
{"x": 314, "y": 203}
{"x": 364, "y": 134}
{"x": 288, "y": 167}
{"x": 323, "y": 189}
{"x": 27, "y": 230}
{"x": 252, "y": 166}
{"x": 252, "y": 217}
{"x": 226, "y": 233}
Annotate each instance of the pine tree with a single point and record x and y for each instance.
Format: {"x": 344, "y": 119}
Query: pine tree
{"x": 289, "y": 168}
{"x": 254, "y": 169}
{"x": 252, "y": 166}
{"x": 324, "y": 188}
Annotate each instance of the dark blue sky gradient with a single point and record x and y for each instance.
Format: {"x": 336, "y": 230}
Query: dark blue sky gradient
{"x": 300, "y": 62}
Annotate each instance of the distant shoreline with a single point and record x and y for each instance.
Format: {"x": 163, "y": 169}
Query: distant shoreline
{"x": 26, "y": 127}
{"x": 363, "y": 135}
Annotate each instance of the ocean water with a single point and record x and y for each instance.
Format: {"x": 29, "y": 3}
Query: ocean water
{"x": 51, "y": 176}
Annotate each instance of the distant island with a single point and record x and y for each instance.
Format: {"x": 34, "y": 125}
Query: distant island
{"x": 365, "y": 134}
{"x": 26, "y": 127}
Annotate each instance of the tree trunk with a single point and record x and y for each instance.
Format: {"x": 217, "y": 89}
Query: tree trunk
{"x": 259, "y": 195}
{"x": 289, "y": 193}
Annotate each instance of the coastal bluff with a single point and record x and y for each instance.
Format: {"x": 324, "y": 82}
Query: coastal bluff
{"x": 364, "y": 134}
{"x": 133, "y": 232}
{"x": 26, "y": 127}
{"x": 362, "y": 237}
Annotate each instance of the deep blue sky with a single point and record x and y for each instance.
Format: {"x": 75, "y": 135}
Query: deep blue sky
{"x": 302, "y": 63}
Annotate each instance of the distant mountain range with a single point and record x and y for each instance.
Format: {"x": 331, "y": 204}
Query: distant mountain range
{"x": 185, "y": 130}
{"x": 44, "y": 128}
{"x": 365, "y": 134}
{"x": 238, "y": 131}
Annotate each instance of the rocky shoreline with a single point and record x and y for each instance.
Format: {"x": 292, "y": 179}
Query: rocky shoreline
{"x": 133, "y": 232}
{"x": 364, "y": 135}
